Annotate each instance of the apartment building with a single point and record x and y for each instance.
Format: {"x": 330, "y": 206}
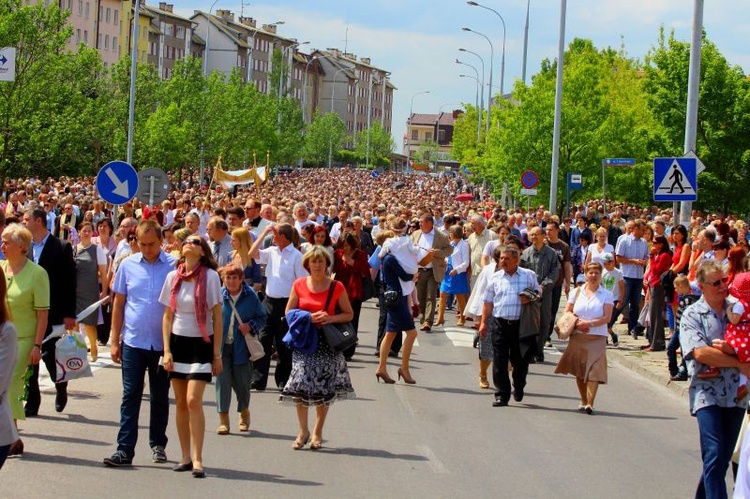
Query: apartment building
{"x": 171, "y": 38}
{"x": 108, "y": 31}
{"x": 241, "y": 44}
{"x": 355, "y": 89}
{"x": 126, "y": 29}
{"x": 421, "y": 128}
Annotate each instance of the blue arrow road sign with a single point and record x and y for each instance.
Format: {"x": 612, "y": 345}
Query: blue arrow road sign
{"x": 675, "y": 179}
{"x": 117, "y": 182}
{"x": 619, "y": 161}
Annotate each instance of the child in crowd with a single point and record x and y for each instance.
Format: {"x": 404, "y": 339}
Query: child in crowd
{"x": 685, "y": 298}
{"x": 738, "y": 329}
{"x": 613, "y": 281}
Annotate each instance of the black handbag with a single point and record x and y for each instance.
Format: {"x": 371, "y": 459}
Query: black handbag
{"x": 391, "y": 299}
{"x": 368, "y": 288}
{"x": 339, "y": 335}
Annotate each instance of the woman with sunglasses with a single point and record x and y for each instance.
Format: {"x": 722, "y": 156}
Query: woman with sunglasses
{"x": 192, "y": 330}
{"x": 659, "y": 262}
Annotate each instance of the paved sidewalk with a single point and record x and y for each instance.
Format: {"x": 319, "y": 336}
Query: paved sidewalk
{"x": 650, "y": 365}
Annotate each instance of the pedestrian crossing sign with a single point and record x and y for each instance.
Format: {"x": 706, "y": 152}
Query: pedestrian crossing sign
{"x": 675, "y": 179}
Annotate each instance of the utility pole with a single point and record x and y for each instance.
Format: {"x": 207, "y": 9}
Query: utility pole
{"x": 558, "y": 112}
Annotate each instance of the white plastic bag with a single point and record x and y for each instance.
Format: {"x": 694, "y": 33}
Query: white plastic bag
{"x": 71, "y": 357}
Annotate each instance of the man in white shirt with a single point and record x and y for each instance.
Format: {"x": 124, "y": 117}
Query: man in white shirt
{"x": 283, "y": 266}
{"x": 300, "y": 217}
{"x": 339, "y": 226}
{"x": 434, "y": 248}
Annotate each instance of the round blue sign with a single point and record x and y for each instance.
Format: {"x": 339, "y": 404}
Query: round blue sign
{"x": 117, "y": 182}
{"x": 529, "y": 179}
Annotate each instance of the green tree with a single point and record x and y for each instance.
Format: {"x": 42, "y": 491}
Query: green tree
{"x": 380, "y": 142}
{"x": 326, "y": 133}
{"x": 723, "y": 139}
{"x": 39, "y": 34}
{"x": 427, "y": 152}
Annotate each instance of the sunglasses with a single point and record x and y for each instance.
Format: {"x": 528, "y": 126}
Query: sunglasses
{"x": 716, "y": 283}
{"x": 194, "y": 242}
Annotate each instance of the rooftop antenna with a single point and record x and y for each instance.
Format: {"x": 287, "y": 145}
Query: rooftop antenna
{"x": 346, "y": 39}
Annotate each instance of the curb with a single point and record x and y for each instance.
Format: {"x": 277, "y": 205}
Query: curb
{"x": 639, "y": 364}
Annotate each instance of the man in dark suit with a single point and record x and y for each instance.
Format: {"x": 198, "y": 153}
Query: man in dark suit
{"x": 56, "y": 257}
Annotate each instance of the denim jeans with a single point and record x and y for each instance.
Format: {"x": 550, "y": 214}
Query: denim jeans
{"x": 672, "y": 347}
{"x": 719, "y": 428}
{"x": 235, "y": 378}
{"x": 632, "y": 298}
{"x": 135, "y": 363}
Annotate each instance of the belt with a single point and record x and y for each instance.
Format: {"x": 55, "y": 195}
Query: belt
{"x": 424, "y": 269}
{"x": 509, "y": 322}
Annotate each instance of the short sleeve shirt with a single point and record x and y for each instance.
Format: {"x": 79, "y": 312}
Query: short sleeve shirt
{"x": 184, "y": 323}
{"x": 699, "y": 326}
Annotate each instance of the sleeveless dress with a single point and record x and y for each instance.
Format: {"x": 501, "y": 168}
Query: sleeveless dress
{"x": 87, "y": 282}
{"x": 322, "y": 377}
{"x": 454, "y": 284}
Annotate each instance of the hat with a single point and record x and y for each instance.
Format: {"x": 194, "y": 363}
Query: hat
{"x": 607, "y": 258}
{"x": 581, "y": 279}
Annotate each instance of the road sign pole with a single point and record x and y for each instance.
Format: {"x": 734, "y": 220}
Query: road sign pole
{"x": 558, "y": 111}
{"x": 604, "y": 188}
{"x": 151, "y": 191}
{"x": 691, "y": 119}
{"x": 567, "y": 195}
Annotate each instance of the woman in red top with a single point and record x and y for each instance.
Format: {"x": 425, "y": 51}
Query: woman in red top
{"x": 317, "y": 379}
{"x": 660, "y": 262}
{"x": 350, "y": 267}
{"x": 680, "y": 261}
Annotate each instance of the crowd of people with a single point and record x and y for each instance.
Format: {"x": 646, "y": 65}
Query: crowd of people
{"x": 217, "y": 284}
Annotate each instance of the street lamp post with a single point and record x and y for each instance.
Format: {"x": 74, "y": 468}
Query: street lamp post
{"x": 252, "y": 47}
{"x": 492, "y": 57}
{"x": 479, "y": 116}
{"x": 481, "y": 99}
{"x": 502, "y": 59}
{"x": 333, "y": 92}
{"x": 525, "y": 42}
{"x": 208, "y": 39}
{"x": 408, "y": 138}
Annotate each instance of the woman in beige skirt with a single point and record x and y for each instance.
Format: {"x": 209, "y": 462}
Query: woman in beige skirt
{"x": 586, "y": 357}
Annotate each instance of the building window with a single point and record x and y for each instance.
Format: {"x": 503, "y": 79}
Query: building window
{"x": 415, "y": 135}
{"x": 70, "y": 5}
{"x": 88, "y": 7}
{"x": 180, "y": 32}
{"x": 428, "y": 136}
{"x": 116, "y": 16}
{"x": 86, "y": 36}
{"x": 106, "y": 41}
{"x": 109, "y": 14}
{"x": 101, "y": 13}
{"x": 114, "y": 43}
{"x": 169, "y": 29}
{"x": 99, "y": 41}
{"x": 80, "y": 7}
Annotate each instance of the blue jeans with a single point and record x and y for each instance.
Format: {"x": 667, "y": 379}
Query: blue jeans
{"x": 672, "y": 347}
{"x": 135, "y": 363}
{"x": 632, "y": 298}
{"x": 719, "y": 428}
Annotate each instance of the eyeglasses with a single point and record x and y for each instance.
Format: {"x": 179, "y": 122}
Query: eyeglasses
{"x": 131, "y": 238}
{"x": 718, "y": 282}
{"x": 194, "y": 242}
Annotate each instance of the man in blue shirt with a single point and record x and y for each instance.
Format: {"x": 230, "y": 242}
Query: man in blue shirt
{"x": 137, "y": 343}
{"x": 632, "y": 255}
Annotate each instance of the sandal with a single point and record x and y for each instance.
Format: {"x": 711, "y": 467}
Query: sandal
{"x": 300, "y": 444}
{"x": 316, "y": 445}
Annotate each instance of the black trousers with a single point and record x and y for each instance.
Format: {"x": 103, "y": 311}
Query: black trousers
{"x": 507, "y": 346}
{"x": 34, "y": 400}
{"x": 102, "y": 330}
{"x": 271, "y": 336}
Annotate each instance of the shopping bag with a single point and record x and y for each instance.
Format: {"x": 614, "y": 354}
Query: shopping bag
{"x": 71, "y": 357}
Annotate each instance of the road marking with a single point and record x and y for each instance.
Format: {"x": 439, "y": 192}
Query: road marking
{"x": 464, "y": 337}
{"x": 432, "y": 460}
{"x": 103, "y": 361}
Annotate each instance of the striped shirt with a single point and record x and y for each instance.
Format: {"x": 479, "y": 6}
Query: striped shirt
{"x": 504, "y": 291}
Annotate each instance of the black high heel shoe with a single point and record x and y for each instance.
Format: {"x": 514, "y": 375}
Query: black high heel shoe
{"x": 407, "y": 380}
{"x": 386, "y": 379}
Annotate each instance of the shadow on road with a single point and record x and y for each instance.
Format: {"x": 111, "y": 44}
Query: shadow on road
{"x": 597, "y": 412}
{"x": 384, "y": 454}
{"x": 70, "y": 440}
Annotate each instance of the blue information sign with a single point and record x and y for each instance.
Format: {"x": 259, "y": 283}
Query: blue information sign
{"x": 675, "y": 179}
{"x": 619, "y": 161}
{"x": 117, "y": 182}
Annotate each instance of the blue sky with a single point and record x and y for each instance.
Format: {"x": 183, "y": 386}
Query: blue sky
{"x": 418, "y": 40}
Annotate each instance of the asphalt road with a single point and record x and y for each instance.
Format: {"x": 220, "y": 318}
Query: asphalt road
{"x": 439, "y": 438}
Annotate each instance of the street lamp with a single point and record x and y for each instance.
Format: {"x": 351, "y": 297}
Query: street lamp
{"x": 408, "y": 138}
{"x": 281, "y": 79}
{"x": 480, "y": 109}
{"x": 492, "y": 57}
{"x": 333, "y": 91}
{"x": 502, "y": 60}
{"x": 479, "y": 115}
{"x": 481, "y": 59}
{"x": 208, "y": 42}
{"x": 252, "y": 46}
